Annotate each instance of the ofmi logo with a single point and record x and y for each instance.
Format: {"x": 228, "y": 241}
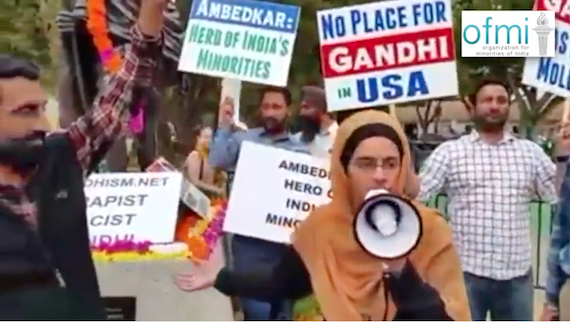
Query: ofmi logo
{"x": 507, "y": 33}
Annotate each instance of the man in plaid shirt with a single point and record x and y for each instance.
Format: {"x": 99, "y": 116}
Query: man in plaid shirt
{"x": 38, "y": 281}
{"x": 491, "y": 177}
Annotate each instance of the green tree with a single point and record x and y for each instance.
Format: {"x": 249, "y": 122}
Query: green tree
{"x": 22, "y": 33}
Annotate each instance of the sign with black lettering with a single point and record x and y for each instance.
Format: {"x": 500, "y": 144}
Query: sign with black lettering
{"x": 273, "y": 191}
{"x": 132, "y": 206}
{"x": 120, "y": 308}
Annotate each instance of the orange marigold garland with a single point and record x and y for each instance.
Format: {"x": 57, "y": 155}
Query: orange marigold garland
{"x": 97, "y": 27}
{"x": 110, "y": 59}
{"x": 202, "y": 235}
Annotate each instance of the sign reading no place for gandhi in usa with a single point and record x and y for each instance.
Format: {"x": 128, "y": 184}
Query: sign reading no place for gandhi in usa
{"x": 387, "y": 52}
{"x": 552, "y": 74}
{"x": 240, "y": 39}
{"x": 132, "y": 206}
{"x": 273, "y": 191}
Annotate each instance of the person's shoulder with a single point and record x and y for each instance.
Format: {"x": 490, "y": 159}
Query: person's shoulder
{"x": 247, "y": 135}
{"x": 528, "y": 144}
{"x": 194, "y": 155}
{"x": 256, "y": 131}
{"x": 447, "y": 146}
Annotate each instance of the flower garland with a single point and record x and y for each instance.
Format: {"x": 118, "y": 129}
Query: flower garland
{"x": 97, "y": 27}
{"x": 127, "y": 250}
{"x": 201, "y": 242}
{"x": 110, "y": 59}
{"x": 205, "y": 235}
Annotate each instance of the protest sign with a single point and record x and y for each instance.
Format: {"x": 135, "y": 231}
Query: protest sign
{"x": 195, "y": 199}
{"x": 132, "y": 206}
{"x": 241, "y": 39}
{"x": 552, "y": 74}
{"x": 273, "y": 191}
{"x": 387, "y": 52}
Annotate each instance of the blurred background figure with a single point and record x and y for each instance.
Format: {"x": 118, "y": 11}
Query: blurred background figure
{"x": 317, "y": 127}
{"x": 198, "y": 170}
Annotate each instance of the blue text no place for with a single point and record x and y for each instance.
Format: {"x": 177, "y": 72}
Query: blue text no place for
{"x": 248, "y": 13}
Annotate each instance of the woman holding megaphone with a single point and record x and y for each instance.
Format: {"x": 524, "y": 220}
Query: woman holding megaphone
{"x": 327, "y": 258}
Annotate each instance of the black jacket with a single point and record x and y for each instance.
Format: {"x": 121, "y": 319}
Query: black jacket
{"x": 414, "y": 299}
{"x": 62, "y": 241}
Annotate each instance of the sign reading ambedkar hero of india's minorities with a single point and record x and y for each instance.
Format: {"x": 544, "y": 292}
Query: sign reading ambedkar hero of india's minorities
{"x": 552, "y": 74}
{"x": 241, "y": 39}
{"x": 136, "y": 207}
{"x": 387, "y": 52}
{"x": 286, "y": 186}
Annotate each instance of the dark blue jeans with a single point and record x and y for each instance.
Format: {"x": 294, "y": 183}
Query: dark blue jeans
{"x": 263, "y": 311}
{"x": 510, "y": 300}
{"x": 253, "y": 254}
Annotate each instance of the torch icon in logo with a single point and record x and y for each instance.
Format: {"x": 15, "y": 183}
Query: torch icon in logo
{"x": 542, "y": 30}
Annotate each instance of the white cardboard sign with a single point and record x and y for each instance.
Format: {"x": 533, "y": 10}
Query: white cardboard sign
{"x": 387, "y": 52}
{"x": 273, "y": 191}
{"x": 132, "y": 206}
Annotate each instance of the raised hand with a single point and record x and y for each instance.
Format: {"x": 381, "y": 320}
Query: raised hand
{"x": 151, "y": 17}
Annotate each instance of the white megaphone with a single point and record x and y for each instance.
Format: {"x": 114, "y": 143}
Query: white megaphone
{"x": 387, "y": 226}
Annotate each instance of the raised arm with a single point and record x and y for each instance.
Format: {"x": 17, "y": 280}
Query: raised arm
{"x": 288, "y": 279}
{"x": 434, "y": 172}
{"x": 224, "y": 148}
{"x": 94, "y": 133}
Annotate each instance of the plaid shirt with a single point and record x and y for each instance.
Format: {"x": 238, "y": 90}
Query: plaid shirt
{"x": 559, "y": 251}
{"x": 104, "y": 121}
{"x": 490, "y": 188}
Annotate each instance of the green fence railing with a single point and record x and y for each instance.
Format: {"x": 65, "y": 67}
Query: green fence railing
{"x": 541, "y": 228}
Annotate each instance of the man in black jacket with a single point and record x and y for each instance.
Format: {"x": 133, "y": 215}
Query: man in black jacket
{"x": 46, "y": 270}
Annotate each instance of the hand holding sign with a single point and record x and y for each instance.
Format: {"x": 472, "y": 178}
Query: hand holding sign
{"x": 226, "y": 116}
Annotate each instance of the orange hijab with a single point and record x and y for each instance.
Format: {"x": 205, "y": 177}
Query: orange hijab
{"x": 346, "y": 280}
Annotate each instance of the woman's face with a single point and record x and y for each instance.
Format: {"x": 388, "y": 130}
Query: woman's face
{"x": 204, "y": 137}
{"x": 375, "y": 164}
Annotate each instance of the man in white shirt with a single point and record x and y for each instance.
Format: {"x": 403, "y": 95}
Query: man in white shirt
{"x": 318, "y": 127}
{"x": 491, "y": 177}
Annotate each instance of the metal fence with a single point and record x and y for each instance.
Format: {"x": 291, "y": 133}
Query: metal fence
{"x": 541, "y": 225}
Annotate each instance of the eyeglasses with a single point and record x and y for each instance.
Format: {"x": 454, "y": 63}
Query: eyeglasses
{"x": 371, "y": 164}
